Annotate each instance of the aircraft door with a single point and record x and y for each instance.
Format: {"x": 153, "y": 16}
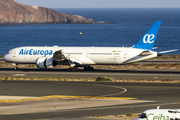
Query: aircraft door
{"x": 14, "y": 54}
{"x": 87, "y": 54}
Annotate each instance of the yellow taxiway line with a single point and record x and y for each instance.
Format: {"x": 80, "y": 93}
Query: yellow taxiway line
{"x": 65, "y": 96}
{"x": 88, "y": 97}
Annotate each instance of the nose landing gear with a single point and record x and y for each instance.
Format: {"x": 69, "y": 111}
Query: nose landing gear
{"x": 16, "y": 66}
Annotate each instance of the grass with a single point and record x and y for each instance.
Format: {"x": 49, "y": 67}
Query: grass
{"x": 157, "y": 67}
{"x": 103, "y": 78}
{"x": 119, "y": 117}
{"x": 166, "y": 80}
{"x": 144, "y": 79}
{"x": 129, "y": 114}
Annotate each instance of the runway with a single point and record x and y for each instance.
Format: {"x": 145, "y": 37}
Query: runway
{"x": 147, "y": 95}
{"x": 117, "y": 74}
{"x": 79, "y": 100}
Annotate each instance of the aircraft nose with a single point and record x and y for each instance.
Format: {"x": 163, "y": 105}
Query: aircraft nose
{"x": 6, "y": 58}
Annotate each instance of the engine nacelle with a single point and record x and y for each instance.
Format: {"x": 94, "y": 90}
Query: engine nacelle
{"x": 45, "y": 62}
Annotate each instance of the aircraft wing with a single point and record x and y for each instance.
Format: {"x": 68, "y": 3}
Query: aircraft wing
{"x": 73, "y": 60}
{"x": 59, "y": 56}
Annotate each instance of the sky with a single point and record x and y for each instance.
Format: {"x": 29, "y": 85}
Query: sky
{"x": 103, "y": 3}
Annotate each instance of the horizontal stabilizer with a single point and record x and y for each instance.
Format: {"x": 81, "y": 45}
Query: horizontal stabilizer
{"x": 154, "y": 48}
{"x": 168, "y": 51}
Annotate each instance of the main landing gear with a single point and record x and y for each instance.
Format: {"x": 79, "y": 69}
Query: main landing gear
{"x": 73, "y": 69}
{"x": 88, "y": 68}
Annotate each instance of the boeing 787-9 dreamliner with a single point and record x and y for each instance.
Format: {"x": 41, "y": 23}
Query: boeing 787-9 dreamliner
{"x": 49, "y": 57}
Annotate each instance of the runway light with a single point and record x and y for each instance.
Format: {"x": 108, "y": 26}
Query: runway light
{"x": 80, "y": 33}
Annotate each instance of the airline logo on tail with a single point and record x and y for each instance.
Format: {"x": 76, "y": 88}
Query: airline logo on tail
{"x": 148, "y": 38}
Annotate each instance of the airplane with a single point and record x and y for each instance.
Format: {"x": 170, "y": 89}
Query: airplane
{"x": 48, "y": 57}
{"x": 160, "y": 114}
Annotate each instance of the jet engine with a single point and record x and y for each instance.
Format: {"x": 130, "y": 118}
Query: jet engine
{"x": 45, "y": 62}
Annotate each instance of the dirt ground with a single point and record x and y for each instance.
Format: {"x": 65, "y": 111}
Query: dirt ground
{"x": 117, "y": 117}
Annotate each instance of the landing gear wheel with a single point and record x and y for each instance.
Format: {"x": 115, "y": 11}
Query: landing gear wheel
{"x": 72, "y": 69}
{"x": 16, "y": 68}
{"x": 88, "y": 68}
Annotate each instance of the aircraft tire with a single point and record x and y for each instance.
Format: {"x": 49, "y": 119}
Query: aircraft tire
{"x": 88, "y": 68}
{"x": 73, "y": 69}
{"x": 16, "y": 68}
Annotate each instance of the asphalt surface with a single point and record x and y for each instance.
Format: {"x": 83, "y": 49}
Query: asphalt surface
{"x": 165, "y": 95}
{"x": 146, "y": 61}
{"x": 148, "y": 95}
{"x": 117, "y": 74}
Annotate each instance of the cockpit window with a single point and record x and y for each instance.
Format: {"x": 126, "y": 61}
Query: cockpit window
{"x": 143, "y": 115}
{"x": 8, "y": 53}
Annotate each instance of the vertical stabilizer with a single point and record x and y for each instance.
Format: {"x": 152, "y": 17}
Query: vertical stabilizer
{"x": 148, "y": 40}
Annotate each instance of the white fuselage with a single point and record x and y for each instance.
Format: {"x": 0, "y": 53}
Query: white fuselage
{"x": 87, "y": 55}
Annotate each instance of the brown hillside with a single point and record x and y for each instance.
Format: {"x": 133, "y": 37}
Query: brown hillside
{"x": 12, "y": 12}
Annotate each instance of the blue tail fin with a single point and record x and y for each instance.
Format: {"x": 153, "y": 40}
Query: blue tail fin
{"x": 147, "y": 41}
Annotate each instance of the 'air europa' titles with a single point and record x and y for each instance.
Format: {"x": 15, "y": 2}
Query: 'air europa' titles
{"x": 35, "y": 52}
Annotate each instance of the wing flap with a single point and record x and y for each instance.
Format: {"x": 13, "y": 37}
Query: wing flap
{"x": 73, "y": 60}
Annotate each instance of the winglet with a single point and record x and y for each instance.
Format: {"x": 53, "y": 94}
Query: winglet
{"x": 147, "y": 41}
